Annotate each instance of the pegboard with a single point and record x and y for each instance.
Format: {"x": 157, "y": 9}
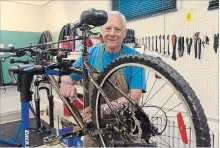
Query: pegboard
{"x": 201, "y": 74}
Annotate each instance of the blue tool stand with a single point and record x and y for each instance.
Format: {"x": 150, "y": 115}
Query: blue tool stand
{"x": 24, "y": 81}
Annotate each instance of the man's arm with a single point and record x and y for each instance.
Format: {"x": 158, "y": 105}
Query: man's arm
{"x": 67, "y": 80}
{"x": 135, "y": 95}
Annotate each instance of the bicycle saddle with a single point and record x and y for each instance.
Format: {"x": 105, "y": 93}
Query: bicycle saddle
{"x": 93, "y": 17}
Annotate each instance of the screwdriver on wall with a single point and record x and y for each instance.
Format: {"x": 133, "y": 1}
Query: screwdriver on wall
{"x": 164, "y": 51}
{"x": 168, "y": 39}
{"x": 156, "y": 44}
{"x": 174, "y": 47}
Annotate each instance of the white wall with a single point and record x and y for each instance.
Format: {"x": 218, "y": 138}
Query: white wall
{"x": 21, "y": 17}
{"x": 201, "y": 74}
{"x": 59, "y": 13}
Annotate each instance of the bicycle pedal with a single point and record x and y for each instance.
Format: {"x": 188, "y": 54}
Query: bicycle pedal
{"x": 52, "y": 140}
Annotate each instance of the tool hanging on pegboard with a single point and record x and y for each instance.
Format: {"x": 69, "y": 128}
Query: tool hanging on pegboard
{"x": 197, "y": 45}
{"x": 216, "y": 42}
{"x": 189, "y": 44}
{"x": 168, "y": 44}
{"x": 205, "y": 41}
{"x": 156, "y": 44}
{"x": 160, "y": 42}
{"x": 145, "y": 45}
{"x": 181, "y": 46}
{"x": 152, "y": 43}
{"x": 164, "y": 51}
{"x": 142, "y": 41}
{"x": 174, "y": 47}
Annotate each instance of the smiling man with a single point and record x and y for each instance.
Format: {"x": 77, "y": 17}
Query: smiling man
{"x": 113, "y": 32}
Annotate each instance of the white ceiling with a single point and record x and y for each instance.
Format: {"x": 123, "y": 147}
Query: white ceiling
{"x": 32, "y": 2}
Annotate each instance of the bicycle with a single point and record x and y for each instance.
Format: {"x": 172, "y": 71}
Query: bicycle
{"x": 128, "y": 124}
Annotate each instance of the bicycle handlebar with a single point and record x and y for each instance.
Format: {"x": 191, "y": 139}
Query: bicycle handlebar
{"x": 39, "y": 69}
{"x": 6, "y": 49}
{"x": 12, "y": 61}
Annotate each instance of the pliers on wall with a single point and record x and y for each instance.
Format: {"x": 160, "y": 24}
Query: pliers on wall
{"x": 197, "y": 45}
{"x": 189, "y": 44}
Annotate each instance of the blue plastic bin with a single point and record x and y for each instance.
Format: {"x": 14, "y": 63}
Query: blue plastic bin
{"x": 70, "y": 142}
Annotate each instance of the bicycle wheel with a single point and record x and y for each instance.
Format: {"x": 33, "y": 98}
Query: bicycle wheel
{"x": 168, "y": 114}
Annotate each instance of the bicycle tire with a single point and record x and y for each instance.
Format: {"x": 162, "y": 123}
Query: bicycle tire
{"x": 198, "y": 116}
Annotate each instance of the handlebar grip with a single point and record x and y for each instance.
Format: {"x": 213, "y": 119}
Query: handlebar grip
{"x": 6, "y": 49}
{"x": 11, "y": 72}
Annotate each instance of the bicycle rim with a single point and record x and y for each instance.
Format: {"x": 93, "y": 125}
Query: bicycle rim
{"x": 174, "y": 120}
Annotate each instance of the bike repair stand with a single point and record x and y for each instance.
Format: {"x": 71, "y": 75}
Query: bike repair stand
{"x": 23, "y": 85}
{"x": 48, "y": 89}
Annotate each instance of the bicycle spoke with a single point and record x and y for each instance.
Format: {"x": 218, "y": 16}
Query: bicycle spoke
{"x": 150, "y": 91}
{"x": 163, "y": 105}
{"x": 167, "y": 111}
{"x": 155, "y": 93}
{"x": 158, "y": 136}
{"x": 171, "y": 126}
{"x": 175, "y": 137}
{"x": 159, "y": 143}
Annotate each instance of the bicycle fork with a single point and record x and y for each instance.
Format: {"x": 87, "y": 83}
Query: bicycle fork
{"x": 72, "y": 109}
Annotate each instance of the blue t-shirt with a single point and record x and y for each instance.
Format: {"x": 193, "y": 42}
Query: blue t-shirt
{"x": 135, "y": 76}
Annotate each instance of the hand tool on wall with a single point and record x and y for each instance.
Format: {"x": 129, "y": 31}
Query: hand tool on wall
{"x": 136, "y": 41}
{"x": 142, "y": 41}
{"x": 205, "y": 41}
{"x": 152, "y": 43}
{"x": 132, "y": 38}
{"x": 160, "y": 42}
{"x": 164, "y": 51}
{"x": 181, "y": 46}
{"x": 156, "y": 44}
{"x": 188, "y": 44}
{"x": 168, "y": 44}
{"x": 216, "y": 42}
{"x": 174, "y": 47}
{"x": 149, "y": 43}
{"x": 197, "y": 45}
{"x": 145, "y": 45}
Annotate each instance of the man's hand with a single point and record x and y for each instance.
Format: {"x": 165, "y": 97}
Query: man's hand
{"x": 68, "y": 90}
{"x": 87, "y": 114}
